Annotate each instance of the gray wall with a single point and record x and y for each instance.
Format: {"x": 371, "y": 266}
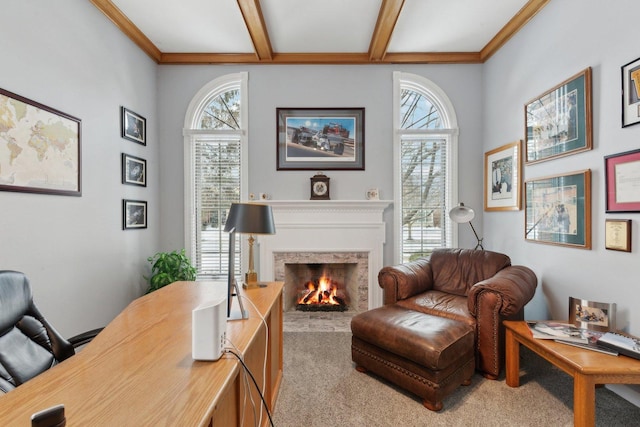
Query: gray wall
{"x": 317, "y": 86}
{"x": 563, "y": 39}
{"x": 83, "y": 268}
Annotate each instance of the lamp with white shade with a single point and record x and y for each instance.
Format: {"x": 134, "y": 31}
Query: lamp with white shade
{"x": 461, "y": 214}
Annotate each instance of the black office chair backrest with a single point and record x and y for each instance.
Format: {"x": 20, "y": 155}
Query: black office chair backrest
{"x": 29, "y": 345}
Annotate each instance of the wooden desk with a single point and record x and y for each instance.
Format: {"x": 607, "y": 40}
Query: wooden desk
{"x": 588, "y": 368}
{"x": 139, "y": 372}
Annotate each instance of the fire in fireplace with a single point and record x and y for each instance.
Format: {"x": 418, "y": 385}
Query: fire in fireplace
{"x": 323, "y": 294}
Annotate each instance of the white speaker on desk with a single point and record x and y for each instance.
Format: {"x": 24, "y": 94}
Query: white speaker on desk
{"x": 209, "y": 329}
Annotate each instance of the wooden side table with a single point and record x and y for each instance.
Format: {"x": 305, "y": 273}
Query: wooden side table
{"x": 588, "y": 368}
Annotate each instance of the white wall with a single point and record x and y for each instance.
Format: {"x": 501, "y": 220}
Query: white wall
{"x": 83, "y": 268}
{"x": 563, "y": 39}
{"x": 276, "y": 86}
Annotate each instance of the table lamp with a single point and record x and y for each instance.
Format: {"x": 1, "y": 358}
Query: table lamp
{"x": 461, "y": 214}
{"x": 250, "y": 218}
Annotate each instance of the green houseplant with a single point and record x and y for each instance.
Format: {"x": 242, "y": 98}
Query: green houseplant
{"x": 169, "y": 267}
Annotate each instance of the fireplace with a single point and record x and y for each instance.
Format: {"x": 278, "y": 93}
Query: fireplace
{"x": 321, "y": 287}
{"x": 348, "y": 235}
{"x": 348, "y": 270}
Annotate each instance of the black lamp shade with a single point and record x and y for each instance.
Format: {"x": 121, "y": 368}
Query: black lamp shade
{"x": 250, "y": 218}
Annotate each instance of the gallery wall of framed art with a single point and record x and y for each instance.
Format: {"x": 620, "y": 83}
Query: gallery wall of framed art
{"x": 133, "y": 169}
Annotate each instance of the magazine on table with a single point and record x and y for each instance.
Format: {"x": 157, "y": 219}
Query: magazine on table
{"x": 593, "y": 346}
{"x": 627, "y": 345}
{"x": 563, "y": 332}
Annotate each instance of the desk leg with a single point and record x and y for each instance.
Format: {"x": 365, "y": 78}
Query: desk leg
{"x": 584, "y": 401}
{"x": 512, "y": 360}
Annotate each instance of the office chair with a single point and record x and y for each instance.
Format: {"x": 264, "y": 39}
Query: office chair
{"x": 29, "y": 345}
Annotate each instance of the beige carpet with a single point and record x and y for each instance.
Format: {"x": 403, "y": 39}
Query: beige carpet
{"x": 321, "y": 388}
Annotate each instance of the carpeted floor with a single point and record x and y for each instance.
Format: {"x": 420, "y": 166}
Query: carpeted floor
{"x": 321, "y": 388}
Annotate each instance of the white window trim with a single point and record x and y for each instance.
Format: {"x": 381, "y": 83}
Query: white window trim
{"x": 198, "y": 102}
{"x": 441, "y": 101}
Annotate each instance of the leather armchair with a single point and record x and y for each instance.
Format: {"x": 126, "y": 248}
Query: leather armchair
{"x": 479, "y": 288}
{"x": 29, "y": 345}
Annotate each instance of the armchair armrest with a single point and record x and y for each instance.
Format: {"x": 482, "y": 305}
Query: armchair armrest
{"x": 515, "y": 284}
{"x": 405, "y": 280}
{"x": 84, "y": 338}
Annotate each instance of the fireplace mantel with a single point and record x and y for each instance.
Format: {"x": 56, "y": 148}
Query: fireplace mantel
{"x": 327, "y": 226}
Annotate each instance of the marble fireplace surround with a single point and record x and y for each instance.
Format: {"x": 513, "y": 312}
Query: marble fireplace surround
{"x": 324, "y": 231}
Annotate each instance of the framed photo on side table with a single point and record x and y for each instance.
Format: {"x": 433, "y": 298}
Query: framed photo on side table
{"x": 631, "y": 93}
{"x": 133, "y": 126}
{"x": 320, "y": 138}
{"x": 622, "y": 181}
{"x": 558, "y": 210}
{"x": 503, "y": 177}
{"x": 558, "y": 122}
{"x": 592, "y": 315}
{"x": 617, "y": 234}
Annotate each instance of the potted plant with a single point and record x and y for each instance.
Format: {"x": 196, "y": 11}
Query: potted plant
{"x": 169, "y": 267}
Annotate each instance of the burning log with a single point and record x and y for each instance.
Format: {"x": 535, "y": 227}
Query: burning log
{"x": 306, "y": 299}
{"x": 339, "y": 300}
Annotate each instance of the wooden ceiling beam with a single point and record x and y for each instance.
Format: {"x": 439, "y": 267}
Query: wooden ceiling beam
{"x": 322, "y": 58}
{"x": 387, "y": 18}
{"x": 377, "y": 54}
{"x": 516, "y": 23}
{"x": 254, "y": 20}
{"x": 128, "y": 28}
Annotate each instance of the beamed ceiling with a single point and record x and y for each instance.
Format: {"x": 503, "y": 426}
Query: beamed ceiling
{"x": 319, "y": 31}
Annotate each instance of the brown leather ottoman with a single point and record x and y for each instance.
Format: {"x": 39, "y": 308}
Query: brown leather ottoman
{"x": 424, "y": 354}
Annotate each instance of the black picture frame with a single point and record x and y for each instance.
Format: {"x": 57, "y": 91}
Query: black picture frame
{"x": 133, "y": 126}
{"x": 134, "y": 170}
{"x": 44, "y": 153}
{"x": 320, "y": 138}
{"x": 134, "y": 214}
{"x": 630, "y": 93}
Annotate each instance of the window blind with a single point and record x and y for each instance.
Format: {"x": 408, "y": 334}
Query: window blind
{"x": 424, "y": 194}
{"x": 216, "y": 166}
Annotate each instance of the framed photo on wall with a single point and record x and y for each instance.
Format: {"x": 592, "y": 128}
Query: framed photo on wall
{"x": 631, "y": 93}
{"x": 622, "y": 181}
{"x": 558, "y": 122}
{"x": 320, "y": 138}
{"x": 41, "y": 148}
{"x": 558, "y": 210}
{"x": 134, "y": 170}
{"x": 134, "y": 214}
{"x": 502, "y": 178}
{"x": 133, "y": 126}
{"x": 617, "y": 234}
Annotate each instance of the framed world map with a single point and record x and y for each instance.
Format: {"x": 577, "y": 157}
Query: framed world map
{"x": 39, "y": 148}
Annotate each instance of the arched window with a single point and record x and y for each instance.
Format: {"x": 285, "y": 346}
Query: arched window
{"x": 215, "y": 139}
{"x": 425, "y": 169}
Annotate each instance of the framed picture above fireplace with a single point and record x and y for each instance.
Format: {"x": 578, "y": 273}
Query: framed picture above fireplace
{"x": 320, "y": 138}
